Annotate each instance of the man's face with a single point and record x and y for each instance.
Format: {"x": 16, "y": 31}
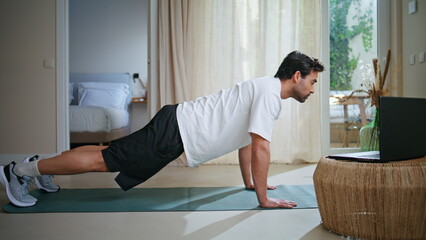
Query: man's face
{"x": 305, "y": 87}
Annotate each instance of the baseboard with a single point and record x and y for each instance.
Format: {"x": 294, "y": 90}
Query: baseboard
{"x": 7, "y": 158}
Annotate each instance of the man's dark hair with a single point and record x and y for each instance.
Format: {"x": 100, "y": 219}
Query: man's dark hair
{"x": 297, "y": 61}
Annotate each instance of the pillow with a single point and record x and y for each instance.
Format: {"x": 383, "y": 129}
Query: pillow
{"x": 104, "y": 85}
{"x": 70, "y": 92}
{"x": 108, "y": 98}
{"x": 100, "y": 85}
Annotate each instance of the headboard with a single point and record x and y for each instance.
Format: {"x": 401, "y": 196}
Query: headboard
{"x": 98, "y": 77}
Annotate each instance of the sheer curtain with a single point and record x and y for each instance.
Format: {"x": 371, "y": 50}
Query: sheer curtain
{"x": 230, "y": 41}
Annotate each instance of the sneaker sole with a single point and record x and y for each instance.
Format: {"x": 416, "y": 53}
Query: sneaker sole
{"x": 11, "y": 198}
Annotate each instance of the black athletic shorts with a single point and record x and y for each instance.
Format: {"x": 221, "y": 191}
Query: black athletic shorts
{"x": 143, "y": 153}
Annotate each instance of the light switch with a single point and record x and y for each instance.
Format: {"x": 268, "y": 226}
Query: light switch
{"x": 49, "y": 63}
{"x": 412, "y": 59}
{"x": 421, "y": 57}
{"x": 412, "y": 7}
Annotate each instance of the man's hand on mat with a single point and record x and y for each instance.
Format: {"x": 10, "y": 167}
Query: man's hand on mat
{"x": 278, "y": 203}
{"x": 251, "y": 187}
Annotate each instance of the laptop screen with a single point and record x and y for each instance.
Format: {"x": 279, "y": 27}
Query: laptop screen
{"x": 402, "y": 128}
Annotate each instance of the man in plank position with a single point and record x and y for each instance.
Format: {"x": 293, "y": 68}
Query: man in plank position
{"x": 241, "y": 118}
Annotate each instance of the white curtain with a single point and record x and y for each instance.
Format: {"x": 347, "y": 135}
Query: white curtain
{"x": 236, "y": 40}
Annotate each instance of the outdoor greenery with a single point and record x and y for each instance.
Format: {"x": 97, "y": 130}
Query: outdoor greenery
{"x": 342, "y": 60}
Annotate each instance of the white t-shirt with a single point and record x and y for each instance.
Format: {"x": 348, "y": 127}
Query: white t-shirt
{"x": 214, "y": 125}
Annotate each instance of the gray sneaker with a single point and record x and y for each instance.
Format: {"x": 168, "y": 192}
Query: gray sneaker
{"x": 16, "y": 187}
{"x": 43, "y": 182}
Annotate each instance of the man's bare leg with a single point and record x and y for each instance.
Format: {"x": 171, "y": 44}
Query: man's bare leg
{"x": 15, "y": 177}
{"x": 79, "y": 160}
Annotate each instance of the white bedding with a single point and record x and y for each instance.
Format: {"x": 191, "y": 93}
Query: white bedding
{"x": 96, "y": 119}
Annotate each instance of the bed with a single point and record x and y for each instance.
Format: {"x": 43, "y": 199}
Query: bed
{"x": 99, "y": 107}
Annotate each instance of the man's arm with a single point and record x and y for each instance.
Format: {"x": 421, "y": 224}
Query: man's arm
{"x": 260, "y": 165}
{"x": 244, "y": 157}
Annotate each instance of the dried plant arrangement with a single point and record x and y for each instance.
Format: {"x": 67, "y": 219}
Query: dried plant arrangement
{"x": 374, "y": 90}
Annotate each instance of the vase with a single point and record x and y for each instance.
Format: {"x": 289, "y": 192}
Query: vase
{"x": 369, "y": 135}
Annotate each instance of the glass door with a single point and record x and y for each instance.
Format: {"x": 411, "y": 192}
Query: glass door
{"x": 352, "y": 46}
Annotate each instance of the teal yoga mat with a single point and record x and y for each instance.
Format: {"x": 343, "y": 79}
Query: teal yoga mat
{"x": 161, "y": 199}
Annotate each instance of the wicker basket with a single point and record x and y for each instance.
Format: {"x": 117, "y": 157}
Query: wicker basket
{"x": 373, "y": 200}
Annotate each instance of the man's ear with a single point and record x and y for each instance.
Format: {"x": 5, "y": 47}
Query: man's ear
{"x": 297, "y": 76}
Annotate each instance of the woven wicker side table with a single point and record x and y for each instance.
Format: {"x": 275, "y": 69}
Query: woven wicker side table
{"x": 372, "y": 200}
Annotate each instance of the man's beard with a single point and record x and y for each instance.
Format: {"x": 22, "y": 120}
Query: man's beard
{"x": 302, "y": 99}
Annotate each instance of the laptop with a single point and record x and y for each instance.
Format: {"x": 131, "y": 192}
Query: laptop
{"x": 402, "y": 132}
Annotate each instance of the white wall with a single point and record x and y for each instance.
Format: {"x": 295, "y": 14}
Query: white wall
{"x": 413, "y": 42}
{"x": 28, "y": 89}
{"x": 109, "y": 36}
